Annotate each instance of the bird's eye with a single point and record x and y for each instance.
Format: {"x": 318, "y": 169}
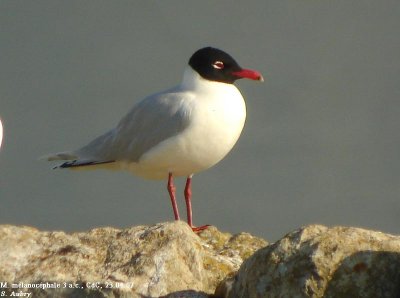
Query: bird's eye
{"x": 218, "y": 65}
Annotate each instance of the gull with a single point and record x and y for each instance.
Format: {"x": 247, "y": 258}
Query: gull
{"x": 175, "y": 133}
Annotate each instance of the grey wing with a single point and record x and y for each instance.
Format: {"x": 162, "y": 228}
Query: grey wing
{"x": 153, "y": 120}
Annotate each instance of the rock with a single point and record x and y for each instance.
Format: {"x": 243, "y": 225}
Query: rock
{"x": 317, "y": 261}
{"x": 166, "y": 259}
{"x": 169, "y": 260}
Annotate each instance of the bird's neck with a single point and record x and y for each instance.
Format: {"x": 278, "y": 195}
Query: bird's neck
{"x": 192, "y": 81}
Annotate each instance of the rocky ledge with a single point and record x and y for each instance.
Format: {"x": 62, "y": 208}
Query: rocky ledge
{"x": 169, "y": 260}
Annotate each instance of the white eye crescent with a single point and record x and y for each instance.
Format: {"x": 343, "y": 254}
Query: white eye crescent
{"x": 218, "y": 65}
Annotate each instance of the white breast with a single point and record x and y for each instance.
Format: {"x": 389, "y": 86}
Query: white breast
{"x": 218, "y": 116}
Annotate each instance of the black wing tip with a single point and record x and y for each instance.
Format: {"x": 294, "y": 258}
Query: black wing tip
{"x": 67, "y": 164}
{"x": 76, "y": 164}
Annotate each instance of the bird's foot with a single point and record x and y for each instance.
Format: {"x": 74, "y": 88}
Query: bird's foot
{"x": 199, "y": 229}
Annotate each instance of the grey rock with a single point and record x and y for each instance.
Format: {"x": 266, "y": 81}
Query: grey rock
{"x": 166, "y": 259}
{"x": 317, "y": 261}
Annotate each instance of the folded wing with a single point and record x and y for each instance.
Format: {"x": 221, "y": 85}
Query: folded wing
{"x": 153, "y": 120}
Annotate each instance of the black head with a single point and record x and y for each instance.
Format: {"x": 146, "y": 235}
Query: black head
{"x": 216, "y": 65}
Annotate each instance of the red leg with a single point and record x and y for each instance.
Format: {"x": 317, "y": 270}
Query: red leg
{"x": 172, "y": 189}
{"x": 188, "y": 196}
